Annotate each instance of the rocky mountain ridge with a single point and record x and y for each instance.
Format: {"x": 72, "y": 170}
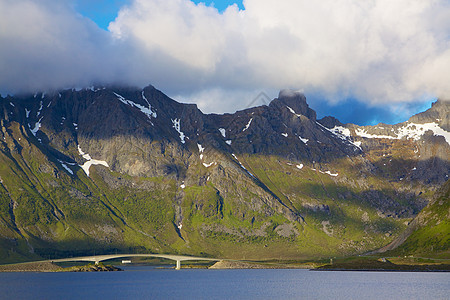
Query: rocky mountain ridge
{"x": 118, "y": 168}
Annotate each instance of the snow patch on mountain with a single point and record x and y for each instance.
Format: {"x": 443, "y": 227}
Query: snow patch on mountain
{"x": 84, "y": 155}
{"x": 90, "y": 161}
{"x": 153, "y": 113}
{"x": 412, "y": 131}
{"x": 36, "y": 127}
{"x": 341, "y": 132}
{"x": 303, "y": 140}
{"x": 293, "y": 111}
{"x": 200, "y": 150}
{"x": 248, "y": 125}
{"x": 416, "y": 131}
{"x": 329, "y": 173}
{"x": 363, "y": 133}
{"x": 145, "y": 110}
{"x": 177, "y": 126}
{"x": 40, "y": 109}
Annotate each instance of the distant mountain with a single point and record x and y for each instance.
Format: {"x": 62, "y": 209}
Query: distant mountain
{"x": 426, "y": 136}
{"x": 124, "y": 169}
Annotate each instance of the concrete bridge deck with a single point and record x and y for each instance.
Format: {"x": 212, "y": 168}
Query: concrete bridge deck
{"x": 99, "y": 258}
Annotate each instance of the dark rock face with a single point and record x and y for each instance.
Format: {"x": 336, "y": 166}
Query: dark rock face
{"x": 286, "y": 127}
{"x": 296, "y": 101}
{"x": 438, "y": 113}
{"x": 330, "y": 122}
{"x": 93, "y": 268}
{"x": 138, "y": 166}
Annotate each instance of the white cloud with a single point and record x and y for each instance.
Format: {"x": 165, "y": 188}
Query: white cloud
{"x": 47, "y": 45}
{"x": 379, "y": 51}
{"x": 189, "y": 33}
{"x": 215, "y": 100}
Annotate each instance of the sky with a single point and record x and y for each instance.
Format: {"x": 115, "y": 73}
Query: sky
{"x": 362, "y": 61}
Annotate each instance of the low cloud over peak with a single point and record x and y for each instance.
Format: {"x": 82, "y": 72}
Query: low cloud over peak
{"x": 378, "y": 51}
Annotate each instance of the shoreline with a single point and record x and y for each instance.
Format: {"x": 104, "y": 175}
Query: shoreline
{"x": 231, "y": 264}
{"x": 48, "y": 266}
{"x": 44, "y": 267}
{"x": 381, "y": 270}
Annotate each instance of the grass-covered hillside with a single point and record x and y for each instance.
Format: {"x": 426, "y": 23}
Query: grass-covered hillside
{"x": 428, "y": 235}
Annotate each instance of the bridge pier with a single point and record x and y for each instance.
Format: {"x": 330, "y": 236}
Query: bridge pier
{"x": 178, "y": 267}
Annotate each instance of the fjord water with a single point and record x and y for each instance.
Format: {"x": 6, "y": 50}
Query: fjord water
{"x": 152, "y": 283}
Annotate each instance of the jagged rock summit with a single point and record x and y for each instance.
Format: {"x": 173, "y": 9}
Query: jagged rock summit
{"x": 295, "y": 101}
{"x": 438, "y": 113}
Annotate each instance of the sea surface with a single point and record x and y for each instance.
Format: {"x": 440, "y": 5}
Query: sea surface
{"x": 155, "y": 283}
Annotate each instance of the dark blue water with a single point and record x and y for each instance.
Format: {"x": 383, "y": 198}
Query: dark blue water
{"x": 151, "y": 283}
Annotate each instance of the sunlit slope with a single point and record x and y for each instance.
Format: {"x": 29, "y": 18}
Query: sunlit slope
{"x": 428, "y": 235}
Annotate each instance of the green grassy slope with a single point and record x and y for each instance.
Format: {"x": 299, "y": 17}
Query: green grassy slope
{"x": 429, "y": 234}
{"x": 49, "y": 212}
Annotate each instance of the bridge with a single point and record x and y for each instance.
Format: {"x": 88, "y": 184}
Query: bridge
{"x": 99, "y": 258}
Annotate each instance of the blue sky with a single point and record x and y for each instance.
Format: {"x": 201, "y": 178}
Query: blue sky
{"x": 103, "y": 12}
{"x": 221, "y": 5}
{"x": 361, "y": 61}
{"x": 357, "y": 112}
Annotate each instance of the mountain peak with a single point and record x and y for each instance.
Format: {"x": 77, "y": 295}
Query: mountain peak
{"x": 438, "y": 113}
{"x": 289, "y": 93}
{"x": 296, "y": 101}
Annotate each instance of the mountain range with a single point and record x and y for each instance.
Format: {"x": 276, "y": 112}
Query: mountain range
{"x": 122, "y": 169}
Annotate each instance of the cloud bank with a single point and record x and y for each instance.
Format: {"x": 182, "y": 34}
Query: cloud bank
{"x": 378, "y": 51}
{"x": 46, "y": 45}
